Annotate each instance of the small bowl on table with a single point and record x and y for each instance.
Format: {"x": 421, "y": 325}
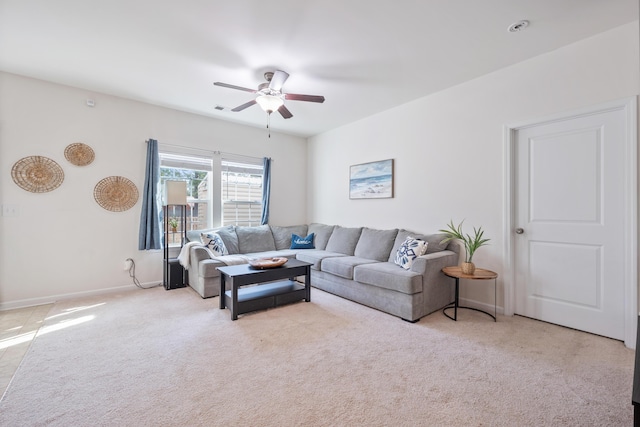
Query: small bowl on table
{"x": 262, "y": 263}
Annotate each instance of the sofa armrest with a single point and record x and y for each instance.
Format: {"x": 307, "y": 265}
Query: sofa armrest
{"x": 435, "y": 285}
{"x": 209, "y": 268}
{"x": 197, "y": 254}
{"x": 430, "y": 264}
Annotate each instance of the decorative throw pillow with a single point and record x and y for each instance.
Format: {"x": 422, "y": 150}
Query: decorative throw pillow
{"x": 298, "y": 242}
{"x": 410, "y": 250}
{"x": 214, "y": 243}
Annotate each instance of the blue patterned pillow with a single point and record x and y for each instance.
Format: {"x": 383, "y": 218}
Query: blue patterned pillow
{"x": 298, "y": 242}
{"x": 410, "y": 250}
{"x": 214, "y": 243}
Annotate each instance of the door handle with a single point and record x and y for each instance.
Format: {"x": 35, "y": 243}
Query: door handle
{"x": 519, "y": 230}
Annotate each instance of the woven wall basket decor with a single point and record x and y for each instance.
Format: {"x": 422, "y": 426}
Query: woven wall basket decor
{"x": 37, "y": 174}
{"x": 116, "y": 193}
{"x": 79, "y": 154}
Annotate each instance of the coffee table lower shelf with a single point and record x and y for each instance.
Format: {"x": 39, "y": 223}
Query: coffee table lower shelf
{"x": 267, "y": 295}
{"x": 271, "y": 287}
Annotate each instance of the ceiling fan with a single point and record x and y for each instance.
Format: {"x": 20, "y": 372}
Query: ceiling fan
{"x": 270, "y": 96}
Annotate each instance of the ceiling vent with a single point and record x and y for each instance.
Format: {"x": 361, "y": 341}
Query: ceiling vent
{"x": 518, "y": 26}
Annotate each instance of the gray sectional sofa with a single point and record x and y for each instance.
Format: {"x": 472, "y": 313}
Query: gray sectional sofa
{"x": 356, "y": 263}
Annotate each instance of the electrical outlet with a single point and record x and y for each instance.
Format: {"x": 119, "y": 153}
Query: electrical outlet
{"x": 127, "y": 265}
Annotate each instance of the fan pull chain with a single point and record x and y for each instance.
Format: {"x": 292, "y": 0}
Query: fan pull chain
{"x": 269, "y": 123}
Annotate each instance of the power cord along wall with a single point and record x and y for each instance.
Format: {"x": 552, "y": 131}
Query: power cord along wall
{"x": 132, "y": 274}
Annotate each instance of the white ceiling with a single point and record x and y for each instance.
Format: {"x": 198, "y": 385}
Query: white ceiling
{"x": 364, "y": 56}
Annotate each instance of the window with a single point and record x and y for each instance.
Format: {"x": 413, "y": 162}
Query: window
{"x": 221, "y": 189}
{"x": 197, "y": 172}
{"x": 241, "y": 193}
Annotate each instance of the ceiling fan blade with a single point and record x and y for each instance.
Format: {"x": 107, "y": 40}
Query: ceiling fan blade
{"x": 243, "y": 106}
{"x": 278, "y": 79}
{"x": 284, "y": 111}
{"x": 234, "y": 87}
{"x": 308, "y": 98}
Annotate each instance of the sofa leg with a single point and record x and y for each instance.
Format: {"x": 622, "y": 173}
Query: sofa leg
{"x": 410, "y": 321}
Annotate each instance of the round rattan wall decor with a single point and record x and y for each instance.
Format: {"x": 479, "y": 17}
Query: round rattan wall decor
{"x": 79, "y": 154}
{"x": 116, "y": 193}
{"x": 37, "y": 174}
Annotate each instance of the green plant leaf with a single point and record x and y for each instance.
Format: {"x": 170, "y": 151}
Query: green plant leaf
{"x": 471, "y": 243}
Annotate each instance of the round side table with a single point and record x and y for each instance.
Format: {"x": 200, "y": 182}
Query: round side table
{"x": 480, "y": 274}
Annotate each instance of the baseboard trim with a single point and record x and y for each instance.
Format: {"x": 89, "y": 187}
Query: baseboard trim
{"x": 31, "y": 302}
{"x": 480, "y": 305}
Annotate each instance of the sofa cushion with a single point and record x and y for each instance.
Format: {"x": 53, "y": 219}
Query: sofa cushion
{"x": 282, "y": 235}
{"x": 316, "y": 257}
{"x": 232, "y": 259}
{"x": 194, "y": 235}
{"x": 343, "y": 266}
{"x": 287, "y": 253}
{"x": 298, "y": 242}
{"x": 343, "y": 240}
{"x": 375, "y": 244}
{"x": 230, "y": 238}
{"x": 410, "y": 250}
{"x": 255, "y": 239}
{"x": 434, "y": 242}
{"x": 387, "y": 275}
{"x": 214, "y": 243}
{"x": 321, "y": 233}
{"x": 226, "y": 233}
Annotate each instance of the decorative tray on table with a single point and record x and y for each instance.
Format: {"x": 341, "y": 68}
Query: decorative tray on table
{"x": 262, "y": 263}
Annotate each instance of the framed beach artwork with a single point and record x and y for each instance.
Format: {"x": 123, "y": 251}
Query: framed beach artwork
{"x": 371, "y": 180}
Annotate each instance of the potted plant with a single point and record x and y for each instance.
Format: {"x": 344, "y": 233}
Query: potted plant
{"x": 173, "y": 223}
{"x": 471, "y": 243}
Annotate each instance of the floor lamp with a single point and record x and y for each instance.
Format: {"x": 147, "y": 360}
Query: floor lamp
{"x": 175, "y": 197}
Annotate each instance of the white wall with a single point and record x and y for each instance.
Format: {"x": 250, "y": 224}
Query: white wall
{"x": 63, "y": 243}
{"x": 448, "y": 151}
{"x": 448, "y": 147}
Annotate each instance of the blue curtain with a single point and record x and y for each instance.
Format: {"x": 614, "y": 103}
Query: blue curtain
{"x": 149, "y": 236}
{"x": 266, "y": 189}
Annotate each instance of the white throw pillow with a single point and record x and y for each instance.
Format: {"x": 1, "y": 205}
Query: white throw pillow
{"x": 214, "y": 242}
{"x": 410, "y": 250}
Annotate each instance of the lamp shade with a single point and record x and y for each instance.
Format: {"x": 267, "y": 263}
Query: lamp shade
{"x": 269, "y": 103}
{"x": 175, "y": 193}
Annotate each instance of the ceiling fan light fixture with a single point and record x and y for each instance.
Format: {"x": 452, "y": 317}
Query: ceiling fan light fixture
{"x": 269, "y": 103}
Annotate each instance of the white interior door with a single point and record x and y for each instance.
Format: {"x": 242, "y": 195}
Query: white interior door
{"x": 569, "y": 259}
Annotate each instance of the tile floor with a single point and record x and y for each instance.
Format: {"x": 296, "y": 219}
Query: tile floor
{"x": 17, "y": 329}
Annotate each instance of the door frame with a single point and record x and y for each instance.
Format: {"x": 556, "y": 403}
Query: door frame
{"x": 630, "y": 239}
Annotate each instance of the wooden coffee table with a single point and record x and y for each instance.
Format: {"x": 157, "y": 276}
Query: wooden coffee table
{"x": 479, "y": 274}
{"x": 263, "y": 295}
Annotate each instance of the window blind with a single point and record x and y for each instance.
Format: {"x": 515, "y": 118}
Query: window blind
{"x": 186, "y": 162}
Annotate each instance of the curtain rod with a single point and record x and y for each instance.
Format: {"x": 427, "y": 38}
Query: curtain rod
{"x": 217, "y": 152}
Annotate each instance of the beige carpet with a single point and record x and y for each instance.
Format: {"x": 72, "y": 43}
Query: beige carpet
{"x": 169, "y": 358}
